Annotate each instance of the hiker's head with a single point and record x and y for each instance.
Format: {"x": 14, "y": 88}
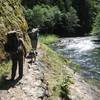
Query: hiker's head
{"x": 11, "y": 34}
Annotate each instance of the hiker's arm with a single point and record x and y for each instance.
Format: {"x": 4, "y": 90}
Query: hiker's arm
{"x": 24, "y": 48}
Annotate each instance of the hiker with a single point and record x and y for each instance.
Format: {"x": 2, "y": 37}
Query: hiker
{"x": 34, "y": 36}
{"x": 15, "y": 47}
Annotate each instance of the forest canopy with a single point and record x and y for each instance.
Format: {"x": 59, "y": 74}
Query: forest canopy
{"x": 64, "y": 17}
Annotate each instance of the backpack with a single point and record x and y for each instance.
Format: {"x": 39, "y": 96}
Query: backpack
{"x": 34, "y": 35}
{"x": 12, "y": 43}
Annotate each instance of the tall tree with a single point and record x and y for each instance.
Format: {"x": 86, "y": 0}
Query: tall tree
{"x": 60, "y": 4}
{"x": 67, "y": 4}
{"x": 96, "y": 25}
{"x": 86, "y": 12}
{"x": 67, "y": 24}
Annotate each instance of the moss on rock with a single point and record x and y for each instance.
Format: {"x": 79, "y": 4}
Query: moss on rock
{"x": 11, "y": 18}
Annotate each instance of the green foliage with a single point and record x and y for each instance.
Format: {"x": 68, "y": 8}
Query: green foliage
{"x": 67, "y": 4}
{"x": 53, "y": 59}
{"x": 48, "y": 39}
{"x": 96, "y": 24}
{"x": 76, "y": 68}
{"x": 64, "y": 88}
{"x": 58, "y": 76}
{"x": 96, "y": 27}
{"x": 86, "y": 10}
{"x": 5, "y": 68}
{"x": 28, "y": 15}
{"x": 60, "y": 4}
{"x": 42, "y": 15}
{"x": 70, "y": 14}
{"x": 67, "y": 23}
{"x": 64, "y": 5}
{"x": 53, "y": 19}
{"x": 71, "y": 20}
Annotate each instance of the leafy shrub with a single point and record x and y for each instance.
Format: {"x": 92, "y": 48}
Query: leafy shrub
{"x": 42, "y": 15}
{"x": 52, "y": 20}
{"x": 67, "y": 23}
{"x": 48, "y": 39}
{"x": 64, "y": 87}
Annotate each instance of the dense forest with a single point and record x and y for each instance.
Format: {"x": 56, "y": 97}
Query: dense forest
{"x": 64, "y": 17}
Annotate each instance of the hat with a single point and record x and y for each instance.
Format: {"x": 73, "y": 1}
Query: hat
{"x": 11, "y": 32}
{"x": 35, "y": 29}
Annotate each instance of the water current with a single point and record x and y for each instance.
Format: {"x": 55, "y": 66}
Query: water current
{"x": 84, "y": 51}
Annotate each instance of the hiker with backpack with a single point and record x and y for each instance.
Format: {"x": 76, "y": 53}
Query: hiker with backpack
{"x": 16, "y": 48}
{"x": 34, "y": 36}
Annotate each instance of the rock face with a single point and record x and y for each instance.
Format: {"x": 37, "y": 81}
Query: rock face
{"x": 11, "y": 17}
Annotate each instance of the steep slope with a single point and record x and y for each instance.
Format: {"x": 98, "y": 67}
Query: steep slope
{"x": 11, "y": 18}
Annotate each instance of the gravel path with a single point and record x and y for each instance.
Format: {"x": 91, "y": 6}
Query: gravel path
{"x": 31, "y": 87}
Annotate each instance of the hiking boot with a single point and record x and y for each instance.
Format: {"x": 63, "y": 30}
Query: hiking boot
{"x": 36, "y": 53}
{"x": 31, "y": 61}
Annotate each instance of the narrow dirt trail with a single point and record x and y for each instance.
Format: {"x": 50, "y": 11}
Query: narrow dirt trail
{"x": 31, "y": 87}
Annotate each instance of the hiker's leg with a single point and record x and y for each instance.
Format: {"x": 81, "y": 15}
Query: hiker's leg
{"x": 20, "y": 61}
{"x": 34, "y": 56}
{"x": 14, "y": 68}
{"x": 35, "y": 44}
{"x": 35, "y": 49}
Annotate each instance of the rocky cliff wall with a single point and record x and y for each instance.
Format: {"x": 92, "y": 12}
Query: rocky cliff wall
{"x": 11, "y": 17}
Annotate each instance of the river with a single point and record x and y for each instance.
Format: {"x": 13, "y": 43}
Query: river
{"x": 84, "y": 51}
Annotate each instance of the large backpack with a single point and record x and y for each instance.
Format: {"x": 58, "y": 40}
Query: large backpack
{"x": 34, "y": 34}
{"x": 12, "y": 43}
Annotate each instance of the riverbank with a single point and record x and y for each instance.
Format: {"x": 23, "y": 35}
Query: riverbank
{"x": 80, "y": 90}
{"x": 57, "y": 74}
{"x": 50, "y": 79}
